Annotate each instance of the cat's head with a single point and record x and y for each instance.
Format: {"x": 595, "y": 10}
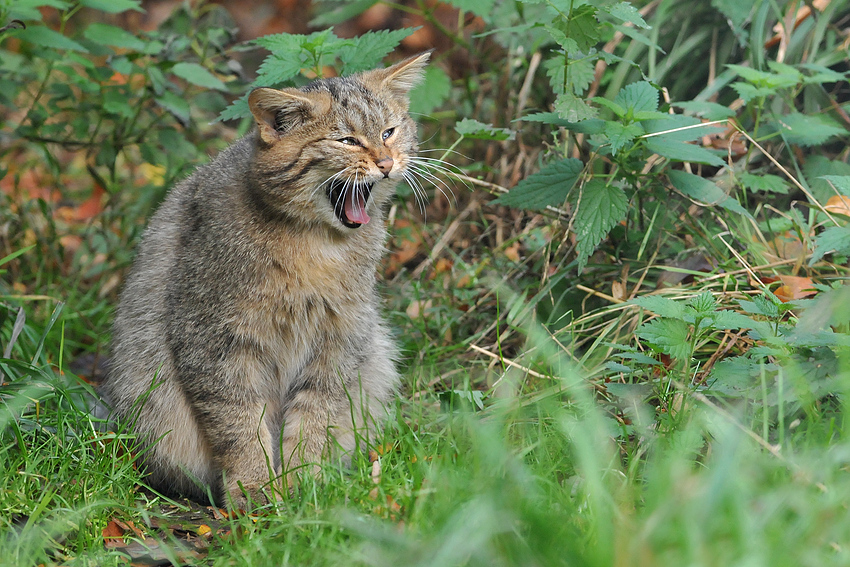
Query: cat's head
{"x": 332, "y": 151}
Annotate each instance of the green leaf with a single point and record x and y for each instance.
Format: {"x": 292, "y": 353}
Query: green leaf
{"x": 277, "y": 69}
{"x": 547, "y": 187}
{"x": 682, "y": 151}
{"x": 28, "y": 10}
{"x": 346, "y": 11}
{"x": 841, "y": 183}
{"x": 238, "y": 109}
{"x": 113, "y": 6}
{"x": 705, "y": 109}
{"x": 760, "y": 305}
{"x": 572, "y": 108}
{"x": 176, "y": 105}
{"x": 703, "y": 303}
{"x": 430, "y": 93}
{"x": 670, "y": 336}
{"x": 804, "y": 130}
{"x": 733, "y": 376}
{"x": 764, "y": 182}
{"x": 470, "y": 128}
{"x": 704, "y": 191}
{"x": 620, "y": 135}
{"x": 197, "y": 75}
{"x": 748, "y": 92}
{"x": 599, "y": 208}
{"x": 481, "y": 8}
{"x": 679, "y": 128}
{"x": 636, "y": 97}
{"x": 116, "y": 103}
{"x": 733, "y": 320}
{"x": 611, "y": 105}
{"x": 104, "y": 34}
{"x": 660, "y": 305}
{"x": 368, "y": 50}
{"x": 626, "y": 12}
{"x": 834, "y": 238}
{"x": 46, "y": 37}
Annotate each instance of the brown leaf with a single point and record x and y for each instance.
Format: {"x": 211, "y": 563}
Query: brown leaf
{"x": 793, "y": 287}
{"x": 838, "y": 204}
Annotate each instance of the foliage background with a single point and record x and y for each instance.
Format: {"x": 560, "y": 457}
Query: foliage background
{"x": 620, "y": 296}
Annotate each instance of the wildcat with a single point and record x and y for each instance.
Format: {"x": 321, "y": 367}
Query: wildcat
{"x": 248, "y": 341}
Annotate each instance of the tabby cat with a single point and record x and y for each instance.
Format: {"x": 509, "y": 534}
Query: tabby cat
{"x": 248, "y": 342}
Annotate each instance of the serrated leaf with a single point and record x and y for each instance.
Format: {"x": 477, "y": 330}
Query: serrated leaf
{"x": 599, "y": 207}
{"x": 620, "y": 135}
{"x": 704, "y": 191}
{"x": 760, "y": 305}
{"x": 238, "y": 109}
{"x": 368, "y": 50}
{"x": 820, "y": 74}
{"x": 572, "y": 108}
{"x": 46, "y": 37}
{"x": 470, "y": 128}
{"x": 637, "y": 357}
{"x": 105, "y": 34}
{"x": 660, "y": 305}
{"x": 806, "y": 130}
{"x": 625, "y": 12}
{"x": 683, "y": 151}
{"x": 834, "y": 238}
{"x": 197, "y": 75}
{"x": 636, "y": 97}
{"x": 113, "y": 6}
{"x": 617, "y": 109}
{"x": 278, "y": 68}
{"x": 547, "y": 187}
{"x": 748, "y": 92}
{"x": 733, "y": 376}
{"x": 732, "y": 320}
{"x": 841, "y": 183}
{"x": 705, "y": 109}
{"x": 763, "y": 182}
{"x": 703, "y": 303}
{"x": 679, "y": 128}
{"x": 670, "y": 336}
{"x": 431, "y": 92}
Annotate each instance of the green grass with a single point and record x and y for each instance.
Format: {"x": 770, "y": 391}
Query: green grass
{"x": 544, "y": 481}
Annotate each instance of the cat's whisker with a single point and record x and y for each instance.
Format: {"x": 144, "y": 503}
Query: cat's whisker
{"x": 418, "y": 192}
{"x": 424, "y": 172}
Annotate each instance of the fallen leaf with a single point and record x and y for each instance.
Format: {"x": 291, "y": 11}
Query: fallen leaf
{"x": 838, "y": 204}
{"x": 793, "y": 287}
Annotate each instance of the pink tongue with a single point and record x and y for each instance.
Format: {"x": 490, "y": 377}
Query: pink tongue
{"x": 355, "y": 207}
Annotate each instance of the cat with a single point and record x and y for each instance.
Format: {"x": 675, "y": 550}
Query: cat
{"x": 248, "y": 341}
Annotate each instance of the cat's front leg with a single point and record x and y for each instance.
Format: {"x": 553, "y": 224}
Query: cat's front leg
{"x": 235, "y": 421}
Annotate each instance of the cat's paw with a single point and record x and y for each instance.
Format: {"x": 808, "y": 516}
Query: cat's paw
{"x": 248, "y": 497}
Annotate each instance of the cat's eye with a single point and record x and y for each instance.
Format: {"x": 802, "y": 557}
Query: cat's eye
{"x": 350, "y": 141}
{"x": 387, "y": 133}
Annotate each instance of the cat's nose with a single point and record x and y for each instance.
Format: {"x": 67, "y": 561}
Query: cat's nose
{"x": 385, "y": 165}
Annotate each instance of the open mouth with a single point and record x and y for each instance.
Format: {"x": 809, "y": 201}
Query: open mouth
{"x": 349, "y": 201}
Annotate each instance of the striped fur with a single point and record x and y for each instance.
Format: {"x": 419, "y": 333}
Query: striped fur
{"x": 248, "y": 332}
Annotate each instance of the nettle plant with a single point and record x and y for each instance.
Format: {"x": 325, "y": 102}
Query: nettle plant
{"x": 96, "y": 88}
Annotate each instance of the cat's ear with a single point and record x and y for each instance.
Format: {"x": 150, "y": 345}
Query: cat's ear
{"x": 398, "y": 79}
{"x": 279, "y": 111}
